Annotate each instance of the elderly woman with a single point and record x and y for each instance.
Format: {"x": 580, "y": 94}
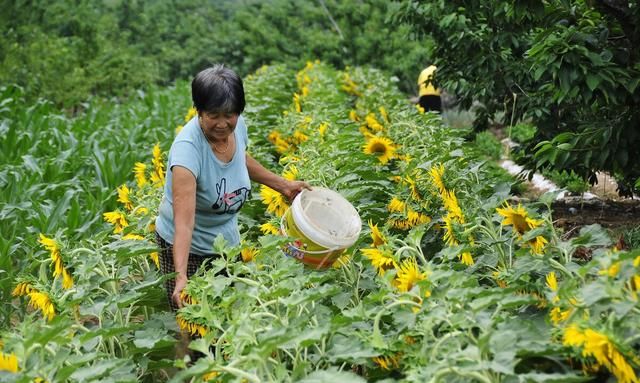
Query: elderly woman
{"x": 208, "y": 179}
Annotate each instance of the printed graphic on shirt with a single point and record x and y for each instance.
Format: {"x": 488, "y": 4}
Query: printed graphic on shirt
{"x": 229, "y": 203}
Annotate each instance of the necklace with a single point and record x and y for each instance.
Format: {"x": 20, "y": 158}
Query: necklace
{"x": 218, "y": 150}
{"x": 213, "y": 145}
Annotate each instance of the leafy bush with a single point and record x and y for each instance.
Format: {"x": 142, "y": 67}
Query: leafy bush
{"x": 521, "y": 132}
{"x": 568, "y": 180}
{"x": 67, "y": 50}
{"x": 488, "y": 145}
{"x": 571, "y": 67}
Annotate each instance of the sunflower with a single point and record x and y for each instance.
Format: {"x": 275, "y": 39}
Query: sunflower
{"x": 383, "y": 147}
{"x": 518, "y": 217}
{"x": 386, "y": 362}
{"x": 123, "y": 197}
{"x": 191, "y": 113}
{"x": 140, "y": 170}
{"x": 281, "y": 145}
{"x": 413, "y": 187}
{"x": 401, "y": 224}
{"x": 373, "y": 123}
{"x": 155, "y": 258}
{"x": 466, "y": 258}
{"x": 188, "y": 299}
{"x": 380, "y": 259}
{"x": 552, "y": 282}
{"x": 408, "y": 275}
{"x": 56, "y": 261}
{"x": 248, "y": 254}
{"x": 117, "y": 219}
{"x": 67, "y": 279}
{"x": 450, "y": 202}
{"x": 157, "y": 177}
{"x": 291, "y": 173}
{"x": 557, "y": 315}
{"x": 275, "y": 201}
{"x": 450, "y": 238}
{"x": 366, "y": 133}
{"x": 296, "y": 102}
{"x": 133, "y": 237}
{"x": 499, "y": 279}
{"x": 322, "y": 129}
{"x": 384, "y": 114}
{"x": 396, "y": 206}
{"x": 405, "y": 158}
{"x": 41, "y": 301}
{"x": 449, "y": 234}
{"x": 191, "y": 328}
{"x": 416, "y": 218}
{"x": 273, "y": 136}
{"x": 341, "y": 261}
{"x": 299, "y": 137}
{"x": 22, "y": 289}
{"x": 8, "y": 362}
{"x": 436, "y": 172}
{"x": 612, "y": 270}
{"x": 210, "y": 375}
{"x": 269, "y": 228}
{"x": 376, "y": 236}
{"x": 51, "y": 245}
{"x": 602, "y": 349}
{"x": 141, "y": 210}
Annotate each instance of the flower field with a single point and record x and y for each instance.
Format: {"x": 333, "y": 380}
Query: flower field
{"x": 451, "y": 280}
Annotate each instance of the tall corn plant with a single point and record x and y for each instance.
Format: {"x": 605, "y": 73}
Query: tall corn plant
{"x": 60, "y": 173}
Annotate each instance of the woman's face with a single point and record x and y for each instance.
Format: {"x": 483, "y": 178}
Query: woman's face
{"x": 218, "y": 126}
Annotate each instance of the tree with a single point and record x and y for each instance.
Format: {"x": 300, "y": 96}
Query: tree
{"x": 572, "y": 67}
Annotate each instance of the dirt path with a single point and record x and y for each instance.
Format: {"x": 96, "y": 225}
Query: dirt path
{"x": 601, "y": 205}
{"x": 573, "y": 211}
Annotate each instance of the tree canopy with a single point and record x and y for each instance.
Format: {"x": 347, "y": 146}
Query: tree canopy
{"x": 572, "y": 67}
{"x": 67, "y": 50}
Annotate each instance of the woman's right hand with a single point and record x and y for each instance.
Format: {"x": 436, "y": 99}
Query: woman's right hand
{"x": 181, "y": 283}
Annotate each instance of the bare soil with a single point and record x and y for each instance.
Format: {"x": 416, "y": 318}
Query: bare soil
{"x": 571, "y": 212}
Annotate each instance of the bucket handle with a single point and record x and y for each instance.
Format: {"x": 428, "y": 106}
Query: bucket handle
{"x": 284, "y": 232}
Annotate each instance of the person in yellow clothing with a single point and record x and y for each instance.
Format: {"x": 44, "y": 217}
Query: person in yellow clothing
{"x": 429, "y": 94}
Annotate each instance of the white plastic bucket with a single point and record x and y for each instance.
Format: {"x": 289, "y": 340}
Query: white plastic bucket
{"x": 324, "y": 224}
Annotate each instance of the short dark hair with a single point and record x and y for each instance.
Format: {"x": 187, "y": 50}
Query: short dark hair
{"x": 218, "y": 89}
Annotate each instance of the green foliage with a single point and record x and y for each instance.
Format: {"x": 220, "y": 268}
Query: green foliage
{"x": 488, "y": 145}
{"x": 521, "y": 132}
{"x": 632, "y": 237}
{"x": 568, "y": 180}
{"x": 59, "y": 173}
{"x": 67, "y": 50}
{"x": 572, "y": 67}
{"x": 273, "y": 319}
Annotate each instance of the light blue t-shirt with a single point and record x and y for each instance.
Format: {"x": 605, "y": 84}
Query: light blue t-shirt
{"x": 221, "y": 188}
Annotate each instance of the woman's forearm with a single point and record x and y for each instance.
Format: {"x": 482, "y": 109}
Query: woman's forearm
{"x": 184, "y": 208}
{"x": 181, "y": 247}
{"x": 262, "y": 175}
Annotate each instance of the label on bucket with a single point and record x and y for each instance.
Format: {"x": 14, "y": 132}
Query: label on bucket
{"x": 293, "y": 249}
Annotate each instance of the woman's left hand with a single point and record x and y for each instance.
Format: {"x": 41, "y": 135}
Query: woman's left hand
{"x": 291, "y": 189}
